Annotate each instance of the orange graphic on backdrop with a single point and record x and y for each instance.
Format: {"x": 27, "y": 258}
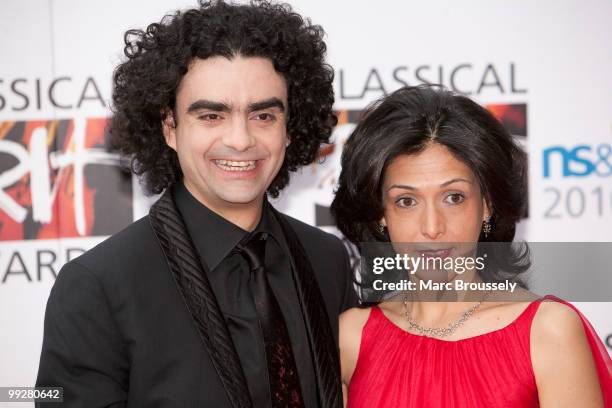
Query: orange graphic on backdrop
{"x": 61, "y": 159}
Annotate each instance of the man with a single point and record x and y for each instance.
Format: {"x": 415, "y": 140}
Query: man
{"x": 215, "y": 299}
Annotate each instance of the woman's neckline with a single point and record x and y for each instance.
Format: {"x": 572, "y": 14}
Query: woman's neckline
{"x": 435, "y": 339}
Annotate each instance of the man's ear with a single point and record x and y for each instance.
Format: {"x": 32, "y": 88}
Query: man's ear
{"x": 169, "y": 129}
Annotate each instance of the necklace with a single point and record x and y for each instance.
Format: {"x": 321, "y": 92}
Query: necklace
{"x": 439, "y": 331}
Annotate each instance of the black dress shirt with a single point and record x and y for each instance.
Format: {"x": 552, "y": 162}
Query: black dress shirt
{"x": 214, "y": 239}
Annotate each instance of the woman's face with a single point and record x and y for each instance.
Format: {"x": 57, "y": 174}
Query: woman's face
{"x": 432, "y": 197}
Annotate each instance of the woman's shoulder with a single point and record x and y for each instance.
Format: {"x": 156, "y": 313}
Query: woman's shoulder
{"x": 351, "y": 324}
{"x": 556, "y": 328}
{"x": 555, "y": 321}
{"x": 561, "y": 354}
{"x": 550, "y": 317}
{"x": 353, "y": 319}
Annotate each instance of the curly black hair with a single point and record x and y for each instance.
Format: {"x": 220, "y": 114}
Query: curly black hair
{"x": 145, "y": 84}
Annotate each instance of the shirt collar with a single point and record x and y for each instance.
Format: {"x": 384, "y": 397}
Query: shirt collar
{"x": 213, "y": 236}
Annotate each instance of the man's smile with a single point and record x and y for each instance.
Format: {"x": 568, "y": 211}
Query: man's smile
{"x": 236, "y": 165}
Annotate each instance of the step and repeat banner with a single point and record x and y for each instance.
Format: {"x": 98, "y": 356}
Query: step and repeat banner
{"x": 544, "y": 68}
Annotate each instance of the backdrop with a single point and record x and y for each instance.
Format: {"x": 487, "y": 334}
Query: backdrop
{"x": 542, "y": 67}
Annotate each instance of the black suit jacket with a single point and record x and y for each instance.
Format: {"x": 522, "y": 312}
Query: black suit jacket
{"x": 118, "y": 332}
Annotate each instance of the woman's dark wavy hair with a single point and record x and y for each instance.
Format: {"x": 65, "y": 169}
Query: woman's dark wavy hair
{"x": 406, "y": 122}
{"x": 157, "y": 59}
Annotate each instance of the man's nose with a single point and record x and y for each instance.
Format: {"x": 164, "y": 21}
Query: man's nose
{"x": 238, "y": 136}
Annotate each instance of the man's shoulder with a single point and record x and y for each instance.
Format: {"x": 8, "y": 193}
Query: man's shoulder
{"x": 134, "y": 245}
{"x": 310, "y": 235}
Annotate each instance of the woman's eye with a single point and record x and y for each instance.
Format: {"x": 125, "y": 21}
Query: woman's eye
{"x": 406, "y": 202}
{"x": 455, "y": 198}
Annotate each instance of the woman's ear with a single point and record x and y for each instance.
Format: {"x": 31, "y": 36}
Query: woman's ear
{"x": 382, "y": 226}
{"x": 487, "y": 211}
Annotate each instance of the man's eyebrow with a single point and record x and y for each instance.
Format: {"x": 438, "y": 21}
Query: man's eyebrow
{"x": 209, "y": 105}
{"x": 273, "y": 102}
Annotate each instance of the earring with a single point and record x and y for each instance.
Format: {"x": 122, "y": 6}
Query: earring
{"x": 381, "y": 228}
{"x": 486, "y": 227}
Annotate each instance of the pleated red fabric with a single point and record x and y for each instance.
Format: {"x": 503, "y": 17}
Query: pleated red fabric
{"x": 397, "y": 369}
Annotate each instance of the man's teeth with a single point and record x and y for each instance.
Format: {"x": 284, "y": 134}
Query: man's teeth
{"x": 231, "y": 165}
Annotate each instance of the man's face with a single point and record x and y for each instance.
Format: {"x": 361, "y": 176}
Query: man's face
{"x": 230, "y": 130}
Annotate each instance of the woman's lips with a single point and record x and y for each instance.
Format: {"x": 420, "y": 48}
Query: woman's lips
{"x": 435, "y": 253}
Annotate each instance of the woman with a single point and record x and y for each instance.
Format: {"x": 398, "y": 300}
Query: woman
{"x": 428, "y": 167}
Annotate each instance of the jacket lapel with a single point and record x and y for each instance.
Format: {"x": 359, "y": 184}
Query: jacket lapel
{"x": 192, "y": 281}
{"x": 320, "y": 336}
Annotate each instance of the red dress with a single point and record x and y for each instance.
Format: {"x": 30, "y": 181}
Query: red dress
{"x": 397, "y": 369}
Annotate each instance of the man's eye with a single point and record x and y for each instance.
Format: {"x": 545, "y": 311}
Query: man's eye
{"x": 455, "y": 198}
{"x": 405, "y": 202}
{"x": 265, "y": 117}
{"x": 210, "y": 116}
